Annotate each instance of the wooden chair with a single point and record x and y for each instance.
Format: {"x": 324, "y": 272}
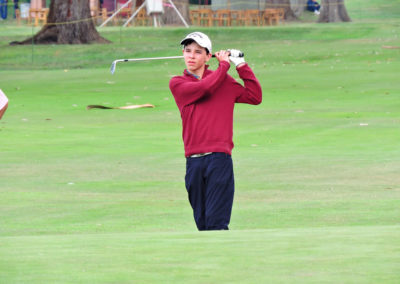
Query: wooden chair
{"x": 31, "y": 15}
{"x": 206, "y": 17}
{"x": 223, "y": 17}
{"x": 103, "y": 15}
{"x": 195, "y": 17}
{"x": 142, "y": 19}
{"x": 43, "y": 15}
{"x": 253, "y": 18}
{"x": 235, "y": 18}
{"x": 270, "y": 16}
{"x": 273, "y": 16}
{"x": 281, "y": 13}
{"x": 124, "y": 13}
{"x": 242, "y": 18}
{"x": 40, "y": 15}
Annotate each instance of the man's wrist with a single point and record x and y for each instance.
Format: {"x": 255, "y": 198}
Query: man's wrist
{"x": 241, "y": 65}
{"x": 225, "y": 62}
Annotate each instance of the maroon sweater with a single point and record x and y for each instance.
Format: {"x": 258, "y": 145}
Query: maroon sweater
{"x": 206, "y": 106}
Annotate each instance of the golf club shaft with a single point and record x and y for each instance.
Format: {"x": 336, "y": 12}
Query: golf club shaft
{"x": 113, "y": 65}
{"x": 148, "y": 58}
{"x": 158, "y": 58}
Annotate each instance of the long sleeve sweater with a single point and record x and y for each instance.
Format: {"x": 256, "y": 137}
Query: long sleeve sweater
{"x": 206, "y": 106}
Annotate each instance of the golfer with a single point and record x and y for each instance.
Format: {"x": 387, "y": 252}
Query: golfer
{"x": 206, "y": 99}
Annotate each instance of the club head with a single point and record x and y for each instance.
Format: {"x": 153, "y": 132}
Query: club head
{"x": 113, "y": 66}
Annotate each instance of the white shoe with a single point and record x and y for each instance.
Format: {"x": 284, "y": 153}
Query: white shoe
{"x": 316, "y": 12}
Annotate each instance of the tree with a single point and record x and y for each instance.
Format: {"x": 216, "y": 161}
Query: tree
{"x": 281, "y": 4}
{"x": 333, "y": 11}
{"x": 170, "y": 17}
{"x": 69, "y": 22}
{"x": 298, "y": 7}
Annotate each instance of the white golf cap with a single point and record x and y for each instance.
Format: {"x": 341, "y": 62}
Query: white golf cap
{"x": 200, "y": 38}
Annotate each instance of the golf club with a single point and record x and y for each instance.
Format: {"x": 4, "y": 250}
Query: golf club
{"x": 122, "y": 107}
{"x": 114, "y": 63}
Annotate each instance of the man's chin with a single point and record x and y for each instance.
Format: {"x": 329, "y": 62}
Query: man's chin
{"x": 191, "y": 69}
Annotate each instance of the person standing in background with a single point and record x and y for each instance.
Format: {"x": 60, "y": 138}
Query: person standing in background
{"x": 313, "y": 6}
{"x": 15, "y": 8}
{"x": 3, "y": 9}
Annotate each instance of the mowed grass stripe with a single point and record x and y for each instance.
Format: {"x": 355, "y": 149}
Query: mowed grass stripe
{"x": 305, "y": 255}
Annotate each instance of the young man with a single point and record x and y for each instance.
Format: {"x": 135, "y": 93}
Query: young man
{"x": 206, "y": 100}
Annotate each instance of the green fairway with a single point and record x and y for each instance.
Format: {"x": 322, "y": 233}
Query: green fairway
{"x": 335, "y": 254}
{"x": 98, "y": 196}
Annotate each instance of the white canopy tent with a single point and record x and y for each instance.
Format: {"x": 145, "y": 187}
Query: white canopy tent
{"x": 154, "y": 8}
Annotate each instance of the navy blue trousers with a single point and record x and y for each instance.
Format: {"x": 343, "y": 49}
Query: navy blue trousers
{"x": 3, "y": 9}
{"x": 210, "y": 185}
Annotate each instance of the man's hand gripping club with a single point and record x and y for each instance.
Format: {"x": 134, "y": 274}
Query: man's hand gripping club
{"x": 230, "y": 55}
{"x": 235, "y": 57}
{"x": 222, "y": 55}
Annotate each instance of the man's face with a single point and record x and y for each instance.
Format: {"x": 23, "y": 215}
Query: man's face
{"x": 195, "y": 57}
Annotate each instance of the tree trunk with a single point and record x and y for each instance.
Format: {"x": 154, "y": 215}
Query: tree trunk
{"x": 281, "y": 4}
{"x": 298, "y": 7}
{"x": 333, "y": 11}
{"x": 79, "y": 30}
{"x": 170, "y": 17}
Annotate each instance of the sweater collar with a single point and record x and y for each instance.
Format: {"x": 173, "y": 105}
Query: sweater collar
{"x": 187, "y": 73}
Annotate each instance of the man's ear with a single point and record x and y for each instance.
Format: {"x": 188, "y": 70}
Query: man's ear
{"x": 208, "y": 57}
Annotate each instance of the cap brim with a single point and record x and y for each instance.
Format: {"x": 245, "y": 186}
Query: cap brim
{"x": 185, "y": 40}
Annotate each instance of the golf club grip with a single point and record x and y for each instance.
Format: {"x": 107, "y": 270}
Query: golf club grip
{"x": 241, "y": 54}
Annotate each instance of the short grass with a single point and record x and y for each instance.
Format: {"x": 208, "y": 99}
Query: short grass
{"x": 98, "y": 196}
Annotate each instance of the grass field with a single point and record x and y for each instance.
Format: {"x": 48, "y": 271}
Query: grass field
{"x": 98, "y": 196}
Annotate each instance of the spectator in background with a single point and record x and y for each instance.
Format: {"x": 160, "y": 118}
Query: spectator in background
{"x": 15, "y": 7}
{"x": 3, "y": 9}
{"x": 313, "y": 6}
